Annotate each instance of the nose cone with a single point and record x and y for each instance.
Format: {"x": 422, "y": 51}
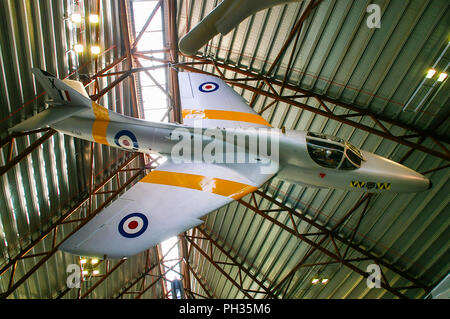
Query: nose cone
{"x": 400, "y": 178}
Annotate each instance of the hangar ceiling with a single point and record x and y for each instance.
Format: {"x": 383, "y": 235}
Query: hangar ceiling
{"x": 309, "y": 65}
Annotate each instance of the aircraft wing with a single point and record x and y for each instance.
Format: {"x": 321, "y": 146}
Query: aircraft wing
{"x": 166, "y": 202}
{"x": 208, "y": 101}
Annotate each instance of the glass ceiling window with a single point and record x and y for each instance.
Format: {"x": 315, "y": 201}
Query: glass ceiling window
{"x": 153, "y": 82}
{"x": 154, "y": 90}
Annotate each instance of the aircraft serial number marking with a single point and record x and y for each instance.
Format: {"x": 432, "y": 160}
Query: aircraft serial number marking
{"x": 370, "y": 185}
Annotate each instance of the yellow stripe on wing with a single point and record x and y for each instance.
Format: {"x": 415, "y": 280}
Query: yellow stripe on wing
{"x": 213, "y": 185}
{"x": 224, "y": 115}
{"x": 101, "y": 122}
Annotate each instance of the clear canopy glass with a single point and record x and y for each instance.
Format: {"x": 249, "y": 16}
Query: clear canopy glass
{"x": 333, "y": 152}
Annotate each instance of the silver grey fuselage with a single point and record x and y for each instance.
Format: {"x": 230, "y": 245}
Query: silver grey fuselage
{"x": 376, "y": 174}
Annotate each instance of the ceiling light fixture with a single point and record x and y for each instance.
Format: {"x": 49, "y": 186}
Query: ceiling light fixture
{"x": 93, "y": 18}
{"x": 75, "y": 17}
{"x": 430, "y": 73}
{"x": 442, "y": 77}
{"x": 78, "y": 48}
{"x": 95, "y": 49}
{"x": 317, "y": 279}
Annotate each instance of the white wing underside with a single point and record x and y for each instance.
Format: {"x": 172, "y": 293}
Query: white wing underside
{"x": 208, "y": 101}
{"x": 173, "y": 198}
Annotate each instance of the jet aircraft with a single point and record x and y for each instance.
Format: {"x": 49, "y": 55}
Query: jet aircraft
{"x": 173, "y": 197}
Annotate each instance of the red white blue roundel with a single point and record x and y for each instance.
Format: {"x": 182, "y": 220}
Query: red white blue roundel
{"x": 126, "y": 139}
{"x": 133, "y": 225}
{"x": 208, "y": 87}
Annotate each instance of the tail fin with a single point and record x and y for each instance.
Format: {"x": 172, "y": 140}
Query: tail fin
{"x": 67, "y": 99}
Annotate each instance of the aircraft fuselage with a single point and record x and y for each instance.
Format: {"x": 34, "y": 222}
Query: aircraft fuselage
{"x": 291, "y": 150}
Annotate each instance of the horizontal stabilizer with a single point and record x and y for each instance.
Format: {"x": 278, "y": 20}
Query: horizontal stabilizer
{"x": 68, "y": 97}
{"x": 47, "y": 117}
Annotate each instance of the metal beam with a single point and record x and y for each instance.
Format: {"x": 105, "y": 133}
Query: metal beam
{"x": 63, "y": 219}
{"x": 124, "y": 14}
{"x": 295, "y": 30}
{"x": 345, "y": 120}
{"x": 159, "y": 278}
{"x": 366, "y": 199}
{"x": 110, "y": 271}
{"x": 318, "y": 247}
{"x": 147, "y": 23}
{"x": 265, "y": 290}
{"x": 102, "y": 92}
{"x": 173, "y": 75}
{"x": 146, "y": 272}
{"x": 335, "y": 236}
{"x": 435, "y": 169}
{"x": 183, "y": 249}
{"x": 50, "y": 132}
{"x": 199, "y": 280}
{"x": 220, "y": 269}
{"x": 13, "y": 161}
{"x": 59, "y": 223}
{"x": 343, "y": 240}
{"x": 12, "y": 264}
{"x": 161, "y": 270}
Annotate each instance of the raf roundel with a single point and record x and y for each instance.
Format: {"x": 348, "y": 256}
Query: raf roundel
{"x": 133, "y": 225}
{"x": 208, "y": 87}
{"x": 126, "y": 139}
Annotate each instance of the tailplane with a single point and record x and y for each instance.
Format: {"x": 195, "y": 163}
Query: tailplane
{"x": 67, "y": 98}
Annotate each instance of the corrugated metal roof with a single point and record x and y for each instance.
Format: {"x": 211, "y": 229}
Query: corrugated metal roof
{"x": 337, "y": 57}
{"x": 56, "y": 176}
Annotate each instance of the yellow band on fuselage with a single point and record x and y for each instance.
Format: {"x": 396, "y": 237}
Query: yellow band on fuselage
{"x": 100, "y": 125}
{"x": 213, "y": 185}
{"x": 224, "y": 115}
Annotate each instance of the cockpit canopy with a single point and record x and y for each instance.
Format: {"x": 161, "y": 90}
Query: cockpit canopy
{"x": 333, "y": 152}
